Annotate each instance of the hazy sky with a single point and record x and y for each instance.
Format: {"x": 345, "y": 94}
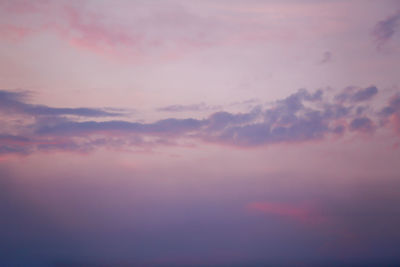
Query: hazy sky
{"x": 198, "y": 133}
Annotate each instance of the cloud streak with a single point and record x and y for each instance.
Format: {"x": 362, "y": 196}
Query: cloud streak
{"x": 188, "y": 108}
{"x": 15, "y": 102}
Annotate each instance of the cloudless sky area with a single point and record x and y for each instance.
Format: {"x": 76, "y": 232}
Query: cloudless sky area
{"x": 199, "y": 133}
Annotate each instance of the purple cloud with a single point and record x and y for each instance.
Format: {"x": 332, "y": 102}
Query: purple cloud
{"x": 357, "y": 95}
{"x": 15, "y": 102}
{"x": 393, "y": 107}
{"x": 363, "y": 124}
{"x": 165, "y": 127}
{"x": 364, "y": 94}
{"x": 187, "y": 108}
{"x": 385, "y": 29}
{"x": 14, "y": 144}
{"x": 326, "y": 57}
{"x": 302, "y": 116}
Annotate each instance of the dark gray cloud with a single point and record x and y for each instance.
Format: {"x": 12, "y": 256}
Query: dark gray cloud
{"x": 385, "y": 29}
{"x": 16, "y": 102}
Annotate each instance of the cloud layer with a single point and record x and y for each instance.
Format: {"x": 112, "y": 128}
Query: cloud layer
{"x": 302, "y": 116}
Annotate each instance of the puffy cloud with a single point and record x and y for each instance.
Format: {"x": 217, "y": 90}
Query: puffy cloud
{"x": 362, "y": 124}
{"x": 364, "y": 94}
{"x": 293, "y": 129}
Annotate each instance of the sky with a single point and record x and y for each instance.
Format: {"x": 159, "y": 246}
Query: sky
{"x": 199, "y": 133}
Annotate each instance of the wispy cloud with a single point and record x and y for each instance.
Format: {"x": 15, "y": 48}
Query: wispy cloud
{"x": 11, "y": 101}
{"x": 385, "y": 29}
{"x": 175, "y": 27}
{"x": 188, "y": 108}
{"x": 326, "y": 57}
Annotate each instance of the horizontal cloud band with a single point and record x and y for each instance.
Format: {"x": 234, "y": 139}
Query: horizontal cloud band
{"x": 303, "y": 116}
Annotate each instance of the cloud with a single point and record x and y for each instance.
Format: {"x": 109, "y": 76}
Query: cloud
{"x": 11, "y": 101}
{"x": 364, "y": 94}
{"x": 13, "y": 144}
{"x": 391, "y": 112}
{"x": 188, "y": 108}
{"x": 288, "y": 121}
{"x": 167, "y": 30}
{"x": 363, "y": 124}
{"x": 355, "y": 95}
{"x": 301, "y": 117}
{"x": 165, "y": 127}
{"x": 13, "y": 138}
{"x": 6, "y": 149}
{"x": 393, "y": 107}
{"x": 326, "y": 57}
{"x": 294, "y": 129}
{"x": 385, "y": 29}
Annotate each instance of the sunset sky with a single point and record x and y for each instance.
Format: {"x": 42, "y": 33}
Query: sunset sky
{"x": 199, "y": 133}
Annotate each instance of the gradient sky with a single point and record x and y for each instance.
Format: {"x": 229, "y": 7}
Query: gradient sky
{"x": 199, "y": 133}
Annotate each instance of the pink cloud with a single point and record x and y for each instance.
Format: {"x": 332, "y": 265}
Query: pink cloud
{"x": 395, "y": 119}
{"x": 13, "y": 32}
{"x": 23, "y": 6}
{"x": 170, "y": 32}
{"x": 301, "y": 213}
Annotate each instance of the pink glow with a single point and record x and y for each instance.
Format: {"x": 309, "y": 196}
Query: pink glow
{"x": 299, "y": 213}
{"x": 229, "y": 132}
{"x": 279, "y": 209}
